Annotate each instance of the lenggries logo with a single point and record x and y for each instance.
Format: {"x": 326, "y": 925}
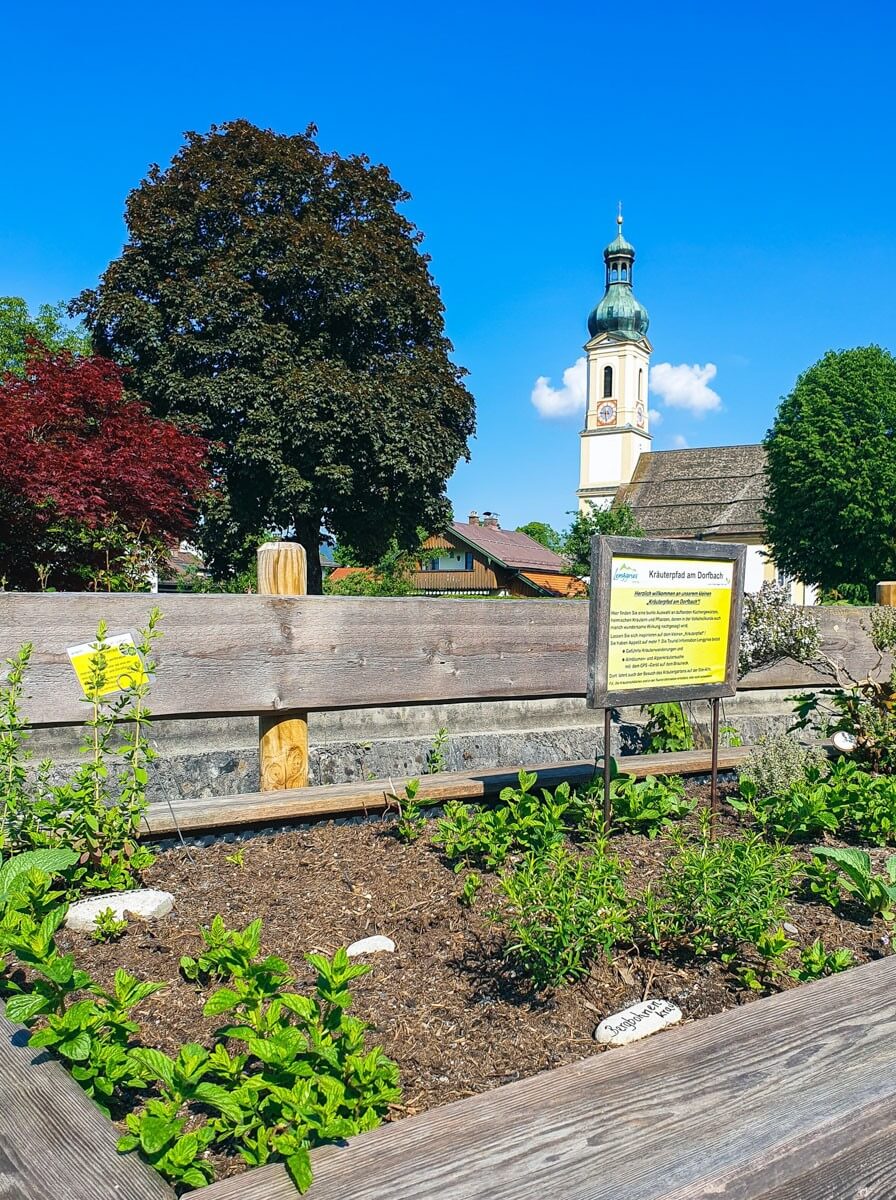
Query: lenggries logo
{"x": 625, "y": 573}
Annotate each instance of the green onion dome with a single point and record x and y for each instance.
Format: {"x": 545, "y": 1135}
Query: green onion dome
{"x": 619, "y": 313}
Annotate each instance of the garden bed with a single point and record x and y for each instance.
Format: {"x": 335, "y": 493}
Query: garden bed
{"x": 447, "y": 1006}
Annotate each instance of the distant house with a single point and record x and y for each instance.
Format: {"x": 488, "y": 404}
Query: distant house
{"x": 715, "y": 494}
{"x": 479, "y": 558}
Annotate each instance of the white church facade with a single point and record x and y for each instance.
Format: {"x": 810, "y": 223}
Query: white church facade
{"x": 715, "y": 493}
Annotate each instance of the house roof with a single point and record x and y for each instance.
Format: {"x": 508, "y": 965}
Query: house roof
{"x": 340, "y": 573}
{"x": 515, "y": 550}
{"x": 713, "y": 492}
{"x": 555, "y": 585}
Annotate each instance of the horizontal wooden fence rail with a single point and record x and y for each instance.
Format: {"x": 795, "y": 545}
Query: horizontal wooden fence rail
{"x": 371, "y": 795}
{"x": 787, "y": 1098}
{"x": 227, "y": 655}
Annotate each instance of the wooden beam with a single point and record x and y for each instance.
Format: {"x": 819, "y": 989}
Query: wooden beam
{"x": 54, "y": 1141}
{"x": 225, "y": 655}
{"x": 305, "y": 804}
{"x": 787, "y": 1098}
{"x": 283, "y": 740}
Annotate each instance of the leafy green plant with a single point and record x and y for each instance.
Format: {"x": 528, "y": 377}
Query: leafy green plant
{"x": 107, "y": 927}
{"x": 778, "y": 762}
{"x": 228, "y": 952}
{"x": 876, "y": 892}
{"x": 98, "y": 810}
{"x": 563, "y": 910}
{"x": 716, "y": 896}
{"x": 435, "y": 756}
{"x": 237, "y": 859}
{"x": 823, "y": 882}
{"x": 817, "y": 963}
{"x": 411, "y": 818}
{"x": 470, "y": 890}
{"x": 650, "y": 805}
{"x": 522, "y": 822}
{"x": 808, "y": 808}
{"x": 770, "y": 948}
{"x": 667, "y": 728}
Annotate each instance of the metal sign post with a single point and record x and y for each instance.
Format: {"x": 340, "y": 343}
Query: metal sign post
{"x": 664, "y": 626}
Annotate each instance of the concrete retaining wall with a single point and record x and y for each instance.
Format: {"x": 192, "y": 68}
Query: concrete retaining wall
{"x": 220, "y": 757}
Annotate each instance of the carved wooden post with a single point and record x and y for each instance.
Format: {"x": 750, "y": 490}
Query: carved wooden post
{"x": 283, "y": 739}
{"x": 886, "y": 593}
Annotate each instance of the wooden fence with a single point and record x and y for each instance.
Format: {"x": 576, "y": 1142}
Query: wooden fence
{"x": 794, "y": 1096}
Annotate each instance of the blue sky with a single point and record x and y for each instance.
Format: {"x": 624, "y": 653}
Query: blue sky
{"x": 752, "y": 146}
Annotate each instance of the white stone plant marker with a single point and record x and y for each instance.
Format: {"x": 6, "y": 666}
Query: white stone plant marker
{"x": 638, "y": 1021}
{"x": 370, "y": 945}
{"x": 147, "y": 903}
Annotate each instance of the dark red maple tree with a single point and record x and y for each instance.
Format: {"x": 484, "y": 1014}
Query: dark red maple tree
{"x": 88, "y": 477}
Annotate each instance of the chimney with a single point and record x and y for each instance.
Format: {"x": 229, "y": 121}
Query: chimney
{"x": 473, "y": 518}
{"x": 490, "y": 520}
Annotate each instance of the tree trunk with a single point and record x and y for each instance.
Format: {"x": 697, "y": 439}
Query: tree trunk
{"x": 308, "y": 535}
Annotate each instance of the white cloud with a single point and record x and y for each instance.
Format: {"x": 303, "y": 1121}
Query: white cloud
{"x": 684, "y": 386}
{"x": 680, "y": 442}
{"x": 563, "y": 401}
{"x": 655, "y": 416}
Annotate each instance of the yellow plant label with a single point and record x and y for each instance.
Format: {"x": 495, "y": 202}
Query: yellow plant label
{"x": 669, "y": 622}
{"x": 123, "y": 667}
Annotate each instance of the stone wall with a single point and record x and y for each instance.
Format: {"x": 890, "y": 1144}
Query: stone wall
{"x": 220, "y": 756}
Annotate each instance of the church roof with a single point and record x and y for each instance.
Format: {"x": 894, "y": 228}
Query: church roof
{"x": 715, "y": 492}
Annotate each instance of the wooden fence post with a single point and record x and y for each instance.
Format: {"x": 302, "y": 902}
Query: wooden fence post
{"x": 283, "y": 739}
{"x": 886, "y": 593}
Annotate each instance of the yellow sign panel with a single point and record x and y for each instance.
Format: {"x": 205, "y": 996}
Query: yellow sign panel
{"x": 669, "y": 622}
{"x": 123, "y": 667}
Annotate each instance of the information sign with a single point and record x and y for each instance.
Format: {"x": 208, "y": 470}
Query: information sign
{"x": 124, "y": 666}
{"x": 665, "y": 620}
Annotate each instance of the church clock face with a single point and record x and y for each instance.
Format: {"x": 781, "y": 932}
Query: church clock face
{"x": 606, "y": 414}
{"x": 640, "y": 415}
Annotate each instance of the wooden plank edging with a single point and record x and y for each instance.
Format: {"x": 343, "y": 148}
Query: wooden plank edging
{"x": 55, "y": 1144}
{"x": 787, "y": 1098}
{"x": 340, "y": 799}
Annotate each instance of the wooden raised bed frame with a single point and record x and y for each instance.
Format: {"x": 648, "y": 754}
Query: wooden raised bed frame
{"x": 788, "y": 1098}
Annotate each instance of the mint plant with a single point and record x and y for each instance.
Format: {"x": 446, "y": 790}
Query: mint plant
{"x": 817, "y": 963}
{"x": 649, "y": 806}
{"x": 808, "y": 808}
{"x": 107, "y": 927}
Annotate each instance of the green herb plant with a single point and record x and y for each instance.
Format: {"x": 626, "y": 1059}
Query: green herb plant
{"x": 411, "y": 818}
{"x": 649, "y": 806}
{"x": 435, "y": 756}
{"x": 107, "y": 927}
{"x": 564, "y": 909}
{"x": 521, "y": 823}
{"x": 817, "y": 963}
{"x": 470, "y": 890}
{"x": 667, "y": 728}
{"x": 98, "y": 810}
{"x": 876, "y": 892}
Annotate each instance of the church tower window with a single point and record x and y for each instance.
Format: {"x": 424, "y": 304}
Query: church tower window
{"x": 608, "y": 381}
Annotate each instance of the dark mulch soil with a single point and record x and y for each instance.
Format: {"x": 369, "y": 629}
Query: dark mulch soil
{"x": 445, "y": 1005}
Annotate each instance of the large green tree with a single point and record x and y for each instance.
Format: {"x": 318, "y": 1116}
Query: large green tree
{"x": 618, "y": 521}
{"x": 275, "y": 296}
{"x": 546, "y": 535}
{"x": 831, "y": 505}
{"x": 48, "y": 326}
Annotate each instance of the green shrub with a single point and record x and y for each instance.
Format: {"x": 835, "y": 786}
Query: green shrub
{"x": 715, "y": 897}
{"x": 667, "y": 728}
{"x": 564, "y": 909}
{"x": 808, "y": 808}
{"x": 779, "y": 762}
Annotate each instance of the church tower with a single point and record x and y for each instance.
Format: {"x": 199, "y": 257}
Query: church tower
{"x": 616, "y": 427}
